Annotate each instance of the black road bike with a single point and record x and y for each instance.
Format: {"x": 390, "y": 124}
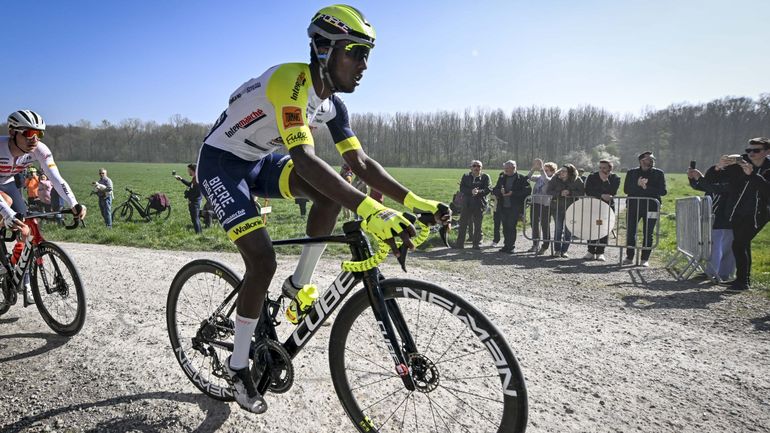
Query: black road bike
{"x": 404, "y": 355}
{"x": 56, "y": 287}
{"x": 125, "y": 211}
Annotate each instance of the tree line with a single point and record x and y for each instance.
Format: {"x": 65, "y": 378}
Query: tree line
{"x": 582, "y": 136}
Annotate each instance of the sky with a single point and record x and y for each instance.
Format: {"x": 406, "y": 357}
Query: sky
{"x": 149, "y": 60}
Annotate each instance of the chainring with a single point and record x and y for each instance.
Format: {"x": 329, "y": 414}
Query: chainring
{"x": 271, "y": 358}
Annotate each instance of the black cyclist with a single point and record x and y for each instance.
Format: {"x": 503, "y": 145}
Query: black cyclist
{"x": 237, "y": 160}
{"x": 18, "y": 150}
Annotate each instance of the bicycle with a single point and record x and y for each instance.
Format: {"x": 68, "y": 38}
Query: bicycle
{"x": 56, "y": 286}
{"x": 444, "y": 355}
{"x": 125, "y": 210}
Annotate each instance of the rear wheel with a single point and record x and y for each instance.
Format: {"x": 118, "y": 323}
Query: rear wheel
{"x": 155, "y": 214}
{"x": 200, "y": 310}
{"x": 57, "y": 289}
{"x": 5, "y": 298}
{"x": 466, "y": 376}
{"x": 124, "y": 212}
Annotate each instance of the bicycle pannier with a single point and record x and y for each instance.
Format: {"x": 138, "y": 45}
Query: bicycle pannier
{"x": 159, "y": 201}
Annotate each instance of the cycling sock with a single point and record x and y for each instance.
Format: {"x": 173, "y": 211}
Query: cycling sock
{"x": 311, "y": 254}
{"x": 244, "y": 329}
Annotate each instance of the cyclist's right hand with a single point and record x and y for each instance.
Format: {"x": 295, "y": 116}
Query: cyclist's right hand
{"x": 386, "y": 224}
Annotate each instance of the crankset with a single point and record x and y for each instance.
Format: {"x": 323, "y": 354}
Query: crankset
{"x": 273, "y": 368}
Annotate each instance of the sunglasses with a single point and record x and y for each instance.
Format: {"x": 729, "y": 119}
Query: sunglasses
{"x": 475, "y": 165}
{"x": 357, "y": 52}
{"x": 29, "y": 133}
{"x": 754, "y": 150}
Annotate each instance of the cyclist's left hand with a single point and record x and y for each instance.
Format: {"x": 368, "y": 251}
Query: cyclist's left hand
{"x": 79, "y": 211}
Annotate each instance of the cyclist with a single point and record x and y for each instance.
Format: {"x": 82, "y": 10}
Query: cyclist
{"x": 238, "y": 160}
{"x": 18, "y": 150}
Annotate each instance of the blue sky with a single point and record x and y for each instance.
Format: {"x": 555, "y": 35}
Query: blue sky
{"x": 113, "y": 60}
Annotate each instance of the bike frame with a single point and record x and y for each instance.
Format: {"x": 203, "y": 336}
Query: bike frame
{"x": 385, "y": 312}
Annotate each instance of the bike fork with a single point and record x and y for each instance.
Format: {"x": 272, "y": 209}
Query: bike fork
{"x": 384, "y": 311}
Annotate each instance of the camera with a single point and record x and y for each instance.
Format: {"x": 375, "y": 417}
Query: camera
{"x": 173, "y": 172}
{"x": 692, "y": 164}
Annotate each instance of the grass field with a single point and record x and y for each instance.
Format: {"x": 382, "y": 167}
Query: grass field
{"x": 285, "y": 221}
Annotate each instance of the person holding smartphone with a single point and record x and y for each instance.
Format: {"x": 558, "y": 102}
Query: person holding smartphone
{"x": 721, "y": 264}
{"x": 194, "y": 197}
{"x": 748, "y": 177}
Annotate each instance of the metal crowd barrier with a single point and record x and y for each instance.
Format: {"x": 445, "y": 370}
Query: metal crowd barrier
{"x": 594, "y": 222}
{"x": 693, "y": 237}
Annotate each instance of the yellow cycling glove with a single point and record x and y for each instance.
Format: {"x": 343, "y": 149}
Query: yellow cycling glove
{"x": 416, "y": 203}
{"x": 381, "y": 221}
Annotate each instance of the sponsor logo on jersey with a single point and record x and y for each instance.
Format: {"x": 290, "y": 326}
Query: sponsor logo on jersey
{"x": 296, "y": 138}
{"x": 297, "y": 84}
{"x": 292, "y": 116}
{"x": 237, "y": 214}
{"x": 247, "y": 121}
{"x": 253, "y": 87}
{"x": 234, "y": 98}
{"x": 245, "y": 227}
{"x": 51, "y": 165}
{"x": 218, "y": 195}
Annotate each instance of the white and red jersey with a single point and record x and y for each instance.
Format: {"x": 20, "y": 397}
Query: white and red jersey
{"x": 10, "y": 166}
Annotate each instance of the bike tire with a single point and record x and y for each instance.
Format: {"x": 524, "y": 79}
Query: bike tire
{"x": 196, "y": 292}
{"x": 5, "y": 299}
{"x": 155, "y": 214}
{"x": 468, "y": 378}
{"x": 124, "y": 212}
{"x": 55, "y": 273}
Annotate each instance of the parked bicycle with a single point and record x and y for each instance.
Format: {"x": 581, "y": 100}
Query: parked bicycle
{"x": 157, "y": 207}
{"x": 56, "y": 287}
{"x": 404, "y": 355}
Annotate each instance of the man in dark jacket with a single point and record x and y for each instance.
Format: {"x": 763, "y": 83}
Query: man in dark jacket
{"x": 475, "y": 187}
{"x": 641, "y": 185}
{"x": 749, "y": 198}
{"x": 511, "y": 190}
{"x": 604, "y": 185}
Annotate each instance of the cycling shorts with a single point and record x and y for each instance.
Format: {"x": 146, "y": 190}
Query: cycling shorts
{"x": 230, "y": 183}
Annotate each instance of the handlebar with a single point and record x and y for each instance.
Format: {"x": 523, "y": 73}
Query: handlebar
{"x": 383, "y": 249}
{"x": 76, "y": 222}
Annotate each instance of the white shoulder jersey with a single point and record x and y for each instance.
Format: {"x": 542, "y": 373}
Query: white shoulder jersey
{"x": 10, "y": 166}
{"x": 278, "y": 109}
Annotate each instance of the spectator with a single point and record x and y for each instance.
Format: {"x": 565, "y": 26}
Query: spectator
{"x": 193, "y": 196}
{"x": 475, "y": 186}
{"x": 511, "y": 189}
{"x": 749, "y": 197}
{"x": 44, "y": 192}
{"x": 302, "y": 203}
{"x": 564, "y": 188}
{"x": 604, "y": 185}
{"x": 494, "y": 201}
{"x": 722, "y": 261}
{"x": 582, "y": 175}
{"x": 541, "y": 205}
{"x": 103, "y": 189}
{"x": 32, "y": 183}
{"x": 57, "y": 203}
{"x": 646, "y": 183}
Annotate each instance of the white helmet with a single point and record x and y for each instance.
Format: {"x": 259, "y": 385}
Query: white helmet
{"x": 26, "y": 119}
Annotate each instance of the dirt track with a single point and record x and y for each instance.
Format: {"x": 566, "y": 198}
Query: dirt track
{"x": 603, "y": 348}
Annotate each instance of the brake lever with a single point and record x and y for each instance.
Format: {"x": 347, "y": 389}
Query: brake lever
{"x": 402, "y": 251}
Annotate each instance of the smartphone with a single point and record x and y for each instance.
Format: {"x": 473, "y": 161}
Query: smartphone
{"x": 692, "y": 164}
{"x": 173, "y": 172}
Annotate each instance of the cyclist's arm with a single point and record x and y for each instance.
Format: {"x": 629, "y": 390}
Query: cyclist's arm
{"x": 324, "y": 178}
{"x": 45, "y": 158}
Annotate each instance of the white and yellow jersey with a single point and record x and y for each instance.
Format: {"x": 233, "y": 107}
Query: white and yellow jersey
{"x": 277, "y": 109}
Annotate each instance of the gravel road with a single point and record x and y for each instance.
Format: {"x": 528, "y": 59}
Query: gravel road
{"x": 603, "y": 348}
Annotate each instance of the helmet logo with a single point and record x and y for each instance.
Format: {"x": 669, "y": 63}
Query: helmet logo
{"x": 336, "y": 22}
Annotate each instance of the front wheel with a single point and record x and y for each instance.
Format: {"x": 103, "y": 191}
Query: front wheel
{"x": 124, "y": 212}
{"x": 57, "y": 289}
{"x": 466, "y": 376}
{"x": 200, "y": 317}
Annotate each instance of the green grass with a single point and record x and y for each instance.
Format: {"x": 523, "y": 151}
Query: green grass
{"x": 285, "y": 222}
